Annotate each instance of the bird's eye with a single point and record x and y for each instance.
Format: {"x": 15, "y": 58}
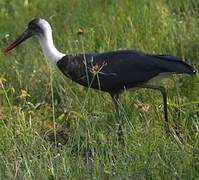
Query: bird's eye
{"x": 35, "y": 28}
{"x": 32, "y": 26}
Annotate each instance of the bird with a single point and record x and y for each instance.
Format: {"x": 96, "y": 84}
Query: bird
{"x": 111, "y": 72}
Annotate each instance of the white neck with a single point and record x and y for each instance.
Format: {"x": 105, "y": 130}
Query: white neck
{"x": 49, "y": 50}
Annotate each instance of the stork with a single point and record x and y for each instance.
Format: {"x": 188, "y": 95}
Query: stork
{"x": 111, "y": 72}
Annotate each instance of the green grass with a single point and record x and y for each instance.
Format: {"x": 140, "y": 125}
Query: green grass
{"x": 40, "y": 108}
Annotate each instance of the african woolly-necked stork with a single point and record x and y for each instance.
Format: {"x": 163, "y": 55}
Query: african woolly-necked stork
{"x": 111, "y": 72}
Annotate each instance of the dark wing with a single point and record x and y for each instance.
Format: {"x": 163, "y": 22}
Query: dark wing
{"x": 112, "y": 71}
{"x": 174, "y": 64}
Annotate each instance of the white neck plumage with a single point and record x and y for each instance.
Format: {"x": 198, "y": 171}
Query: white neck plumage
{"x": 49, "y": 50}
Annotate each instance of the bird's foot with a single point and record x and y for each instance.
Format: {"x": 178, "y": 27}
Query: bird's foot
{"x": 120, "y": 134}
{"x": 171, "y": 132}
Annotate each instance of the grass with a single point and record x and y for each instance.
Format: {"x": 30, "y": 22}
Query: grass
{"x": 52, "y": 128}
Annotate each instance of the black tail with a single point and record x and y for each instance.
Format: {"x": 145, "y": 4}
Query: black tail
{"x": 173, "y": 64}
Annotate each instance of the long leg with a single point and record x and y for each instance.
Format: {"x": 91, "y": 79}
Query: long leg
{"x": 164, "y": 95}
{"x": 168, "y": 129}
{"x": 116, "y": 98}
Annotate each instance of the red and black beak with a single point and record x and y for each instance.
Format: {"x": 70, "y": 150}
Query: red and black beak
{"x": 25, "y": 35}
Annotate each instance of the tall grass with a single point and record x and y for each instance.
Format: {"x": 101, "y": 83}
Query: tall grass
{"x": 37, "y": 103}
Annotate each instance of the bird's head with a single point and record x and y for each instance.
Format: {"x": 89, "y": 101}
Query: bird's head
{"x": 35, "y": 27}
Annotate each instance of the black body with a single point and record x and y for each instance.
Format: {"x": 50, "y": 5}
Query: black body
{"x": 114, "y": 71}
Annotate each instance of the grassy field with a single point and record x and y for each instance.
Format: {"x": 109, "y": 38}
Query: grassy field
{"x": 53, "y": 128}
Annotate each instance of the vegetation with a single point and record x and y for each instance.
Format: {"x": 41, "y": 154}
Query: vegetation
{"x": 53, "y": 128}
